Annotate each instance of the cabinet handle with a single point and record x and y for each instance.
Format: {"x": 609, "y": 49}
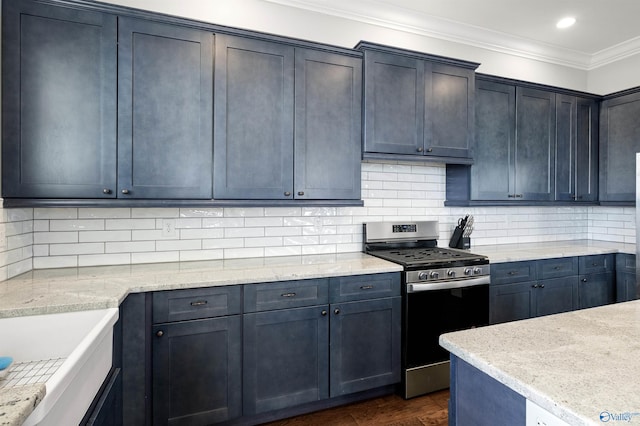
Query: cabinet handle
{"x": 511, "y": 195}
{"x": 518, "y": 195}
{"x": 584, "y": 280}
{"x": 535, "y": 286}
{"x": 125, "y": 191}
{"x": 557, "y": 268}
{"x": 512, "y": 272}
{"x": 106, "y": 191}
{"x": 430, "y": 150}
{"x": 323, "y": 313}
{"x": 287, "y": 194}
{"x": 366, "y": 287}
{"x": 420, "y": 149}
{"x": 199, "y": 303}
{"x": 160, "y": 333}
{"x": 336, "y": 311}
{"x": 541, "y": 285}
{"x": 594, "y": 264}
{"x": 300, "y": 192}
{"x": 288, "y": 295}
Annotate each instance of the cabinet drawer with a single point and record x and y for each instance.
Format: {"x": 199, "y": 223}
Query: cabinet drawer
{"x": 555, "y": 268}
{"x": 360, "y": 287}
{"x": 596, "y": 264}
{"x": 512, "y": 272}
{"x": 285, "y": 294}
{"x": 181, "y": 305}
{"x": 626, "y": 263}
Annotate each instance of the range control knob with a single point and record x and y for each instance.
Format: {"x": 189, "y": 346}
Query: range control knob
{"x": 468, "y": 271}
{"x": 423, "y": 276}
{"x": 434, "y": 275}
{"x": 477, "y": 271}
{"x": 451, "y": 273}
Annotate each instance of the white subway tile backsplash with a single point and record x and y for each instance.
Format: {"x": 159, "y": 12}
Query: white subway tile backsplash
{"x": 128, "y": 224}
{"x": 71, "y": 249}
{"x": 55, "y": 213}
{"x": 62, "y": 237}
{"x": 104, "y": 259}
{"x": 155, "y": 257}
{"x": 129, "y": 246}
{"x": 98, "y": 236}
{"x": 77, "y": 225}
{"x": 97, "y": 213}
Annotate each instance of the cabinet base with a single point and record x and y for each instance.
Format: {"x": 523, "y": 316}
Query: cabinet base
{"x": 422, "y": 380}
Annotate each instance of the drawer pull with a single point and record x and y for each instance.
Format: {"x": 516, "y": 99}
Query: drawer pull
{"x": 557, "y": 268}
{"x": 594, "y": 264}
{"x": 199, "y": 303}
{"x": 288, "y": 295}
{"x": 512, "y": 272}
{"x": 366, "y": 287}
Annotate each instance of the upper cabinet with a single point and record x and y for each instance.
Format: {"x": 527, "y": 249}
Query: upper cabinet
{"x": 417, "y": 106}
{"x": 576, "y": 173}
{"x": 287, "y": 122}
{"x": 66, "y": 136}
{"x": 165, "y": 75}
{"x": 515, "y": 138}
{"x": 58, "y": 102}
{"x": 534, "y": 145}
{"x": 619, "y": 141}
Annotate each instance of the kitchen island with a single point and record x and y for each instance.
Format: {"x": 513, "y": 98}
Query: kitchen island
{"x": 581, "y": 366}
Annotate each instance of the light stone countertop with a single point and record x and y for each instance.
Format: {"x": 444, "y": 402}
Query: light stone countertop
{"x": 532, "y": 251}
{"x": 575, "y": 365}
{"x": 16, "y": 404}
{"x": 74, "y": 289}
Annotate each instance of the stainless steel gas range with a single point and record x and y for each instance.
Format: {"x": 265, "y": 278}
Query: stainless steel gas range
{"x": 443, "y": 290}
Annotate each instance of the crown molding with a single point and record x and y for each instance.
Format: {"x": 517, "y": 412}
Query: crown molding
{"x": 396, "y": 18}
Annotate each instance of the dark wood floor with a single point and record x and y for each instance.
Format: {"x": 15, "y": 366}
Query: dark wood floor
{"x": 390, "y": 410}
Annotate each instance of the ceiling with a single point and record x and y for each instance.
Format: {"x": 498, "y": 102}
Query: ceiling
{"x": 605, "y": 31}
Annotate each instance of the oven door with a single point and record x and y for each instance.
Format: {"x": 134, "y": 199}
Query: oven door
{"x": 433, "y": 310}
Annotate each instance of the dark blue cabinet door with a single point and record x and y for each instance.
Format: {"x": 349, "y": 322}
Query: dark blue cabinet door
{"x": 59, "y": 102}
{"x": 253, "y": 126}
{"x": 576, "y": 177}
{"x": 535, "y": 144}
{"x": 285, "y": 358}
{"x": 555, "y": 295}
{"x": 565, "y": 168}
{"x": 511, "y": 302}
{"x": 619, "y": 139}
{"x": 196, "y": 371}
{"x": 587, "y": 145}
{"x": 492, "y": 176}
{"x": 365, "y": 345}
{"x": 164, "y": 111}
{"x": 449, "y": 111}
{"x": 596, "y": 290}
{"x": 393, "y": 104}
{"x": 626, "y": 284}
{"x": 328, "y": 92}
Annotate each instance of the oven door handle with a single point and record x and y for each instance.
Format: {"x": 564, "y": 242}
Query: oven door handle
{"x": 419, "y": 287}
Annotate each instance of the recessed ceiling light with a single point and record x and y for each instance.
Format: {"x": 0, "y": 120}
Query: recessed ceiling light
{"x": 566, "y": 22}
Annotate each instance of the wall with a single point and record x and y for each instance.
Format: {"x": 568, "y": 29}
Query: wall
{"x": 260, "y": 15}
{"x": 69, "y": 237}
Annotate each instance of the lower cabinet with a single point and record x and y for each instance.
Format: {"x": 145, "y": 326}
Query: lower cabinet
{"x": 521, "y": 290}
{"x": 223, "y": 353}
{"x": 196, "y": 361}
{"x": 626, "y": 285}
{"x": 294, "y": 355}
{"x": 197, "y": 371}
{"x": 106, "y": 410}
